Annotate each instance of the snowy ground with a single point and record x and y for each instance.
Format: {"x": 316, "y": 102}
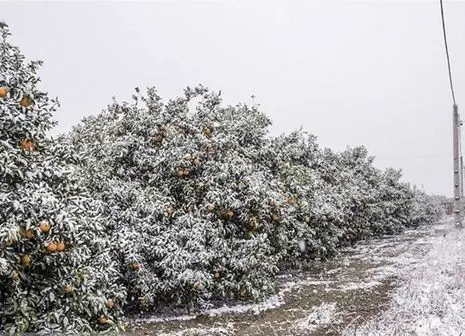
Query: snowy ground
{"x": 431, "y": 297}
{"x": 404, "y": 285}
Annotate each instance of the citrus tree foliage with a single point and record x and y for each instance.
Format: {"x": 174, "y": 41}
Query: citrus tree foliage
{"x": 339, "y": 198}
{"x": 209, "y": 231}
{"x": 204, "y": 205}
{"x": 160, "y": 204}
{"x": 56, "y": 274}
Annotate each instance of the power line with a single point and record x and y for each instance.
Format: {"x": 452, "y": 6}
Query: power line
{"x": 447, "y": 52}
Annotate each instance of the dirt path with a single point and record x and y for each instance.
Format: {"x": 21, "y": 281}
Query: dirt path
{"x": 325, "y": 300}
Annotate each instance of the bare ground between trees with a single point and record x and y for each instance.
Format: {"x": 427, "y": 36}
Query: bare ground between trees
{"x": 326, "y": 299}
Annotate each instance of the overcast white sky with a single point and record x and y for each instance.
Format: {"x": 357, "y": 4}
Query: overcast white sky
{"x": 367, "y": 73}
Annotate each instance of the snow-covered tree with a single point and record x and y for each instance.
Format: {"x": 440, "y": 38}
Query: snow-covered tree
{"x": 210, "y": 234}
{"x": 207, "y": 206}
{"x": 56, "y": 274}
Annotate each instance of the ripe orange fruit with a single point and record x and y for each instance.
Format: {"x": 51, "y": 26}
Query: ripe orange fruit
{"x": 187, "y": 157}
{"x": 68, "y": 289}
{"x": 29, "y": 234}
{"x": 25, "y": 101}
{"x": 27, "y": 144}
{"x": 275, "y": 217}
{"x": 3, "y": 92}
{"x": 52, "y": 247}
{"x": 210, "y": 207}
{"x": 196, "y": 162}
{"x": 60, "y": 246}
{"x": 44, "y": 226}
{"x": 110, "y": 303}
{"x": 103, "y": 319}
{"x": 163, "y": 128}
{"x": 180, "y": 172}
{"x": 208, "y": 131}
{"x": 135, "y": 266}
{"x": 25, "y": 260}
{"x": 229, "y": 214}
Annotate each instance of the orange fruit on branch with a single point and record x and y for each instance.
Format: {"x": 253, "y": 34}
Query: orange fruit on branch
{"x": 29, "y": 234}
{"x": 183, "y": 172}
{"x": 103, "y": 319}
{"x": 68, "y": 289}
{"x": 27, "y": 144}
{"x": 210, "y": 207}
{"x": 229, "y": 214}
{"x": 52, "y": 247}
{"x": 3, "y": 92}
{"x": 110, "y": 303}
{"x": 60, "y": 246}
{"x": 168, "y": 212}
{"x": 25, "y": 101}
{"x": 187, "y": 157}
{"x": 196, "y": 162}
{"x": 135, "y": 266}
{"x": 25, "y": 260}
{"x": 44, "y": 226}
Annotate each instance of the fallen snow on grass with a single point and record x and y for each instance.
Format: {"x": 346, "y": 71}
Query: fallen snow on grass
{"x": 431, "y": 298}
{"x": 272, "y": 302}
{"x": 352, "y": 286}
{"x": 256, "y": 308}
{"x": 160, "y": 319}
{"x": 319, "y": 317}
{"x": 219, "y": 331}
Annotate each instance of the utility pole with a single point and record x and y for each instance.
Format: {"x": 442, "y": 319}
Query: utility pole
{"x": 461, "y": 184}
{"x": 458, "y": 188}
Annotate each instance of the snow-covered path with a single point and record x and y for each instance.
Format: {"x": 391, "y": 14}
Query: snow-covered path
{"x": 403, "y": 285}
{"x": 431, "y": 297}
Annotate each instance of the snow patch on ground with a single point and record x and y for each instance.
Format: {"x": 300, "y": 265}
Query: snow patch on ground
{"x": 351, "y": 286}
{"x": 160, "y": 319}
{"x": 272, "y": 302}
{"x": 318, "y": 317}
{"x": 219, "y": 331}
{"x": 431, "y": 298}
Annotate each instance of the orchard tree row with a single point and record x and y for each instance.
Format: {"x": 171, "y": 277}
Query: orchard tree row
{"x": 180, "y": 203}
